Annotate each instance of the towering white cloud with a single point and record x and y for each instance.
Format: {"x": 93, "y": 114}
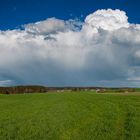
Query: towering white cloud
{"x": 103, "y": 50}
{"x": 108, "y": 19}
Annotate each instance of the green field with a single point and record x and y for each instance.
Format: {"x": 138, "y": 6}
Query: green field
{"x": 70, "y": 116}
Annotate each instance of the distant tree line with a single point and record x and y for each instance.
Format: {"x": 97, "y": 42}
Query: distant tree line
{"x": 42, "y": 89}
{"x": 22, "y": 89}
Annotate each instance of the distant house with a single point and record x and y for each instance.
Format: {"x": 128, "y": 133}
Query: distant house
{"x": 100, "y": 90}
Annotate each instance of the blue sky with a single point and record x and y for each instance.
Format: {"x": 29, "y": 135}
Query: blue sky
{"x": 14, "y": 13}
{"x": 70, "y": 42}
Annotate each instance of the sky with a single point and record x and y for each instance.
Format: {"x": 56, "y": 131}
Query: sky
{"x": 70, "y": 43}
{"x": 14, "y": 13}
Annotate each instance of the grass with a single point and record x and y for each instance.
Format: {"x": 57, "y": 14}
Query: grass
{"x": 70, "y": 116}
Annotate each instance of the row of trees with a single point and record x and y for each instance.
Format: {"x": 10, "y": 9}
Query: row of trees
{"x": 41, "y": 89}
{"x": 22, "y": 89}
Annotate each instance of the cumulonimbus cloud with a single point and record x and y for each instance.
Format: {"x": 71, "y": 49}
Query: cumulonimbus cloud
{"x": 102, "y": 50}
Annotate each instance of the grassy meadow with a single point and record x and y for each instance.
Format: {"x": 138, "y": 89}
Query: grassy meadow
{"x": 70, "y": 116}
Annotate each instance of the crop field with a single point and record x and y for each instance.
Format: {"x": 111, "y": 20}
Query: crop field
{"x": 70, "y": 116}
